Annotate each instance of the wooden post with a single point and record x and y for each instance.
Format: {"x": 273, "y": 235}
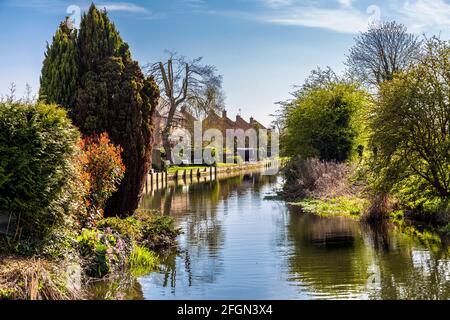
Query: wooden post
{"x": 146, "y": 184}
{"x": 151, "y": 181}
{"x": 157, "y": 181}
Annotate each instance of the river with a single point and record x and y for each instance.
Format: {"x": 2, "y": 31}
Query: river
{"x": 240, "y": 243}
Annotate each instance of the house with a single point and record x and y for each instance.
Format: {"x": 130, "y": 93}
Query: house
{"x": 184, "y": 121}
{"x": 223, "y": 123}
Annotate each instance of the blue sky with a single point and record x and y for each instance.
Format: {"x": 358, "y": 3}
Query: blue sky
{"x": 261, "y": 47}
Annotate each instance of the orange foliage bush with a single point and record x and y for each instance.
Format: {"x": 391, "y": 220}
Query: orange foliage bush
{"x": 101, "y": 174}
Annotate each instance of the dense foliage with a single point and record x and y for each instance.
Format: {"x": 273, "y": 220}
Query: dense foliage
{"x": 112, "y": 96}
{"x": 322, "y": 122}
{"x": 37, "y": 144}
{"x": 153, "y": 231}
{"x": 117, "y": 243}
{"x": 410, "y": 128}
{"x": 59, "y": 75}
{"x": 102, "y": 171}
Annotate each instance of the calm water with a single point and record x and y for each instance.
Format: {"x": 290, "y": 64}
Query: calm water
{"x": 239, "y": 245}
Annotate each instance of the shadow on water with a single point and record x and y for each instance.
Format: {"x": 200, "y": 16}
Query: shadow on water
{"x": 239, "y": 245}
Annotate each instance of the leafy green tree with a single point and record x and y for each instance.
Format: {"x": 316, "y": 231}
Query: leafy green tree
{"x": 59, "y": 76}
{"x": 323, "y": 122}
{"x": 114, "y": 96}
{"x": 410, "y": 126}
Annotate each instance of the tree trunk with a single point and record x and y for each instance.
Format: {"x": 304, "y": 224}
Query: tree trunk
{"x": 166, "y": 144}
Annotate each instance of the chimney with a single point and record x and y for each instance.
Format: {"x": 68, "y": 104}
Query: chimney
{"x": 224, "y": 114}
{"x": 238, "y": 117}
{"x": 251, "y": 120}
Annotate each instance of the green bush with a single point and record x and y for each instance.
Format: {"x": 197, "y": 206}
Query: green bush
{"x": 104, "y": 251}
{"x": 325, "y": 123}
{"x": 128, "y": 228}
{"x": 145, "y": 228}
{"x": 37, "y": 143}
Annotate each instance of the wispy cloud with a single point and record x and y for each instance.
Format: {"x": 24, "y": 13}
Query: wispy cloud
{"x": 341, "y": 16}
{"x": 110, "y": 6}
{"x": 339, "y": 20}
{"x": 278, "y": 3}
{"x": 420, "y": 15}
{"x": 350, "y": 16}
{"x": 124, "y": 7}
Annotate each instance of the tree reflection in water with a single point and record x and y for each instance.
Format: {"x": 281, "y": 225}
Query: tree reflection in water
{"x": 342, "y": 258}
{"x": 237, "y": 244}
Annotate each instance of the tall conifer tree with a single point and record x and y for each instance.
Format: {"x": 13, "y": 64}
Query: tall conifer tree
{"x": 60, "y": 70}
{"x": 114, "y": 96}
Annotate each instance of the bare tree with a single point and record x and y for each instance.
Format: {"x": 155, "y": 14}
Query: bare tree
{"x": 385, "y": 49}
{"x": 184, "y": 82}
{"x": 212, "y": 99}
{"x": 11, "y": 96}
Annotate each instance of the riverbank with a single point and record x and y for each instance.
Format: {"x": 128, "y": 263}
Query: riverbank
{"x": 193, "y": 174}
{"x": 342, "y": 190}
{"x": 115, "y": 246}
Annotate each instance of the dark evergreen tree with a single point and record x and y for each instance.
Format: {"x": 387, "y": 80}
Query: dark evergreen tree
{"x": 114, "y": 96}
{"x": 60, "y": 69}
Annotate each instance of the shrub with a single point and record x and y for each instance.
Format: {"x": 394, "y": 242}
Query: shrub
{"x": 158, "y": 231}
{"x": 144, "y": 228}
{"x": 128, "y": 228}
{"x": 37, "y": 143}
{"x": 325, "y": 123}
{"x": 103, "y": 170}
{"x": 104, "y": 251}
{"x": 315, "y": 178}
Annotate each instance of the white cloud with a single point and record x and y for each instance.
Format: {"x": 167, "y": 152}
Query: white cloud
{"x": 420, "y": 15}
{"x": 346, "y": 3}
{"x": 278, "y": 3}
{"x": 340, "y": 20}
{"x": 123, "y": 6}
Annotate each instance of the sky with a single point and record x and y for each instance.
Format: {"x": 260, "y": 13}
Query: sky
{"x": 262, "y": 48}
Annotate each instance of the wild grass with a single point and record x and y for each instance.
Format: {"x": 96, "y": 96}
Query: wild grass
{"x": 312, "y": 178}
{"x": 348, "y": 206}
{"x": 142, "y": 261}
{"x": 325, "y": 188}
{"x": 34, "y": 279}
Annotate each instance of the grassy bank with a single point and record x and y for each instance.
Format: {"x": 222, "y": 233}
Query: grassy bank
{"x": 330, "y": 189}
{"x": 346, "y": 206}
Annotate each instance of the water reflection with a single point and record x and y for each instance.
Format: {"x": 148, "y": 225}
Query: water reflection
{"x": 238, "y": 245}
{"x": 341, "y": 258}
